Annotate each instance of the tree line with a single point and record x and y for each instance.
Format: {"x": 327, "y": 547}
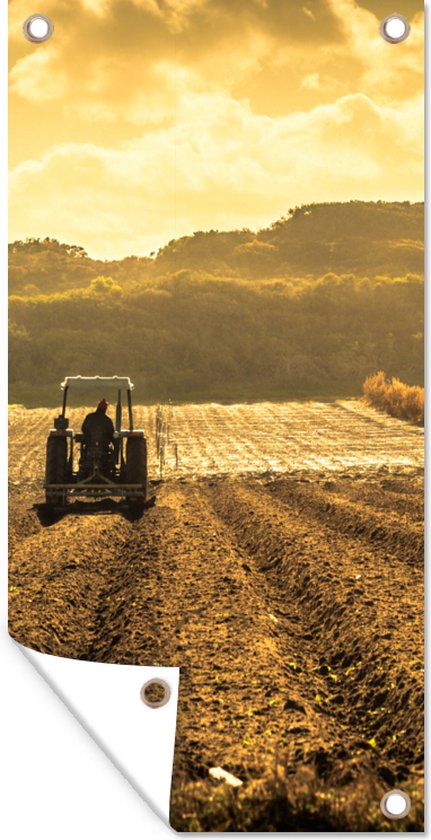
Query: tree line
{"x": 190, "y": 335}
{"x": 367, "y": 239}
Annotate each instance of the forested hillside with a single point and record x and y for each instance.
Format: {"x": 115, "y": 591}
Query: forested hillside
{"x": 309, "y": 306}
{"x": 361, "y": 237}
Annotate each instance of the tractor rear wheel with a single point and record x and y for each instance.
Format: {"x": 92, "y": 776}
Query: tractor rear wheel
{"x": 136, "y": 470}
{"x": 56, "y": 467}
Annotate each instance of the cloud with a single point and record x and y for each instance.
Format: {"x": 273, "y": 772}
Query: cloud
{"x": 311, "y": 81}
{"x": 259, "y": 49}
{"x": 189, "y": 114}
{"x": 309, "y": 12}
{"x": 218, "y": 40}
{"x": 221, "y": 166}
{"x": 387, "y": 70}
{"x": 380, "y": 8}
{"x": 37, "y": 77}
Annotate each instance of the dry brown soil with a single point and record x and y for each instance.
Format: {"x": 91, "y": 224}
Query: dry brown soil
{"x": 281, "y": 568}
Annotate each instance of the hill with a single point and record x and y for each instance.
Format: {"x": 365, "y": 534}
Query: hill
{"x": 364, "y": 238}
{"x": 307, "y": 307}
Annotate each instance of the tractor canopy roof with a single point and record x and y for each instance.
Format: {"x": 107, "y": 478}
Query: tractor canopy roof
{"x": 104, "y": 383}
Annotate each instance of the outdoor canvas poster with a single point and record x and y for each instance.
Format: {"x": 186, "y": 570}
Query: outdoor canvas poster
{"x": 216, "y": 386}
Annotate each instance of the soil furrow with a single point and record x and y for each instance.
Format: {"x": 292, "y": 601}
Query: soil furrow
{"x": 57, "y": 579}
{"x": 372, "y": 676}
{"x": 393, "y": 531}
{"x": 280, "y": 569}
{"x": 216, "y": 584}
{"x": 395, "y": 494}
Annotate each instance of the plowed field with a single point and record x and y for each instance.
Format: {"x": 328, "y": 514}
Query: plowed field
{"x": 281, "y": 568}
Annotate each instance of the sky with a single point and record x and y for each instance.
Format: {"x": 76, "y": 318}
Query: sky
{"x": 140, "y": 121}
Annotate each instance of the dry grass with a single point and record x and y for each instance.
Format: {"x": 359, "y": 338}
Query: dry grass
{"x": 399, "y": 400}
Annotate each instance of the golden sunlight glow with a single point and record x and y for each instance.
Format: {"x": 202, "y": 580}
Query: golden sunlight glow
{"x": 141, "y": 121}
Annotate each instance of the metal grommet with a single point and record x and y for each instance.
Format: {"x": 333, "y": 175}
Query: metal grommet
{"x": 155, "y": 693}
{"x": 38, "y": 28}
{"x": 395, "y": 28}
{"x": 395, "y": 804}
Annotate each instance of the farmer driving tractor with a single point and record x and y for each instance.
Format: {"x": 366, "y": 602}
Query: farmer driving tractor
{"x": 98, "y": 444}
{"x": 97, "y": 426}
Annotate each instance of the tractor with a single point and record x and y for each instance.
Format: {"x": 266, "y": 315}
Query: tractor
{"x": 99, "y": 470}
